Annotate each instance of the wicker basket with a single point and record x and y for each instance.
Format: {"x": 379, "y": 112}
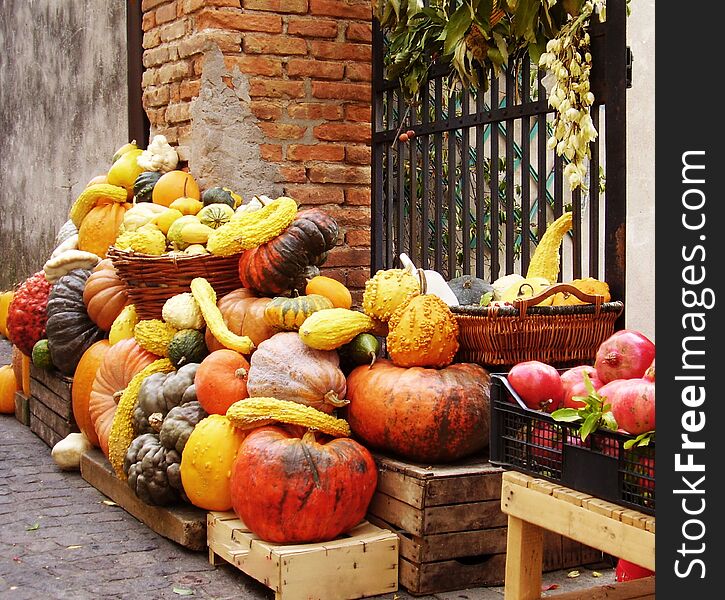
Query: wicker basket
{"x": 151, "y": 280}
{"x": 498, "y": 337}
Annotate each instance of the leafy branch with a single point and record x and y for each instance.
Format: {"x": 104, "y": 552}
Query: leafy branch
{"x": 594, "y": 414}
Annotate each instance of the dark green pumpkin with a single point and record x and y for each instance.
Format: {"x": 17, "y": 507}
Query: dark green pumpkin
{"x": 69, "y": 329}
{"x": 187, "y": 346}
{"x": 218, "y": 195}
{"x": 143, "y": 187}
{"x": 469, "y": 290}
{"x": 288, "y": 314}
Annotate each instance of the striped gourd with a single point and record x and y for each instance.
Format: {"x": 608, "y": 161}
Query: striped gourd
{"x": 288, "y": 314}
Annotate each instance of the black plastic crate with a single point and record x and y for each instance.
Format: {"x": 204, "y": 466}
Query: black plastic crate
{"x": 533, "y": 442}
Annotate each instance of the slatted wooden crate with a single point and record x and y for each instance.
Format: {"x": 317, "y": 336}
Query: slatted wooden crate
{"x": 451, "y": 528}
{"x": 22, "y": 408}
{"x": 361, "y": 564}
{"x": 50, "y": 404}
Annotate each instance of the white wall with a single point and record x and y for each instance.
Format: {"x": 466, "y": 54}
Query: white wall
{"x": 641, "y": 171}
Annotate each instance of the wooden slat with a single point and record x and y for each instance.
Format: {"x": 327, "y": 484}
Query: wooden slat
{"x": 638, "y": 589}
{"x": 44, "y": 432}
{"x": 61, "y": 405}
{"x": 463, "y": 517}
{"x": 22, "y": 408}
{"x": 578, "y": 523}
{"x": 52, "y": 379}
{"x": 447, "y": 575}
{"x": 58, "y": 424}
{"x": 523, "y": 559}
{"x": 184, "y": 524}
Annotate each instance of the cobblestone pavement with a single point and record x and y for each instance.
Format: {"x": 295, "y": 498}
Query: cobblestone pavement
{"x": 58, "y": 539}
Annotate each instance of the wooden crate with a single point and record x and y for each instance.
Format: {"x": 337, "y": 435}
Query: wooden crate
{"x": 184, "y": 524}
{"x": 22, "y": 408}
{"x": 361, "y": 564}
{"x": 450, "y": 524}
{"x": 50, "y": 405}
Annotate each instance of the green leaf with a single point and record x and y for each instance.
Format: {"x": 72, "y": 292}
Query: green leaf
{"x": 590, "y": 424}
{"x": 608, "y": 421}
{"x": 486, "y": 299}
{"x": 523, "y": 21}
{"x": 566, "y": 415}
{"x": 482, "y": 12}
{"x": 33, "y": 527}
{"x": 456, "y": 28}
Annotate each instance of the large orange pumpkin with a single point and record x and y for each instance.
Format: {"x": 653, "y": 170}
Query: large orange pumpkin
{"x": 425, "y": 415}
{"x": 121, "y": 362}
{"x": 83, "y": 378}
{"x": 293, "y": 490}
{"x": 173, "y": 185}
{"x": 8, "y": 387}
{"x": 105, "y": 295}
{"x": 99, "y": 227}
{"x": 243, "y": 313}
{"x": 221, "y": 380}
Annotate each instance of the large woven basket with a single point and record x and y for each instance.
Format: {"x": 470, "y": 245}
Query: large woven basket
{"x": 151, "y": 280}
{"x": 498, "y": 337}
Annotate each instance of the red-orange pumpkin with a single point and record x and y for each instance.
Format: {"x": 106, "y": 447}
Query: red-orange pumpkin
{"x": 221, "y": 380}
{"x": 293, "y": 490}
{"x": 243, "y": 313}
{"x": 121, "y": 362}
{"x": 425, "y": 415}
{"x": 105, "y": 295}
{"x": 83, "y": 378}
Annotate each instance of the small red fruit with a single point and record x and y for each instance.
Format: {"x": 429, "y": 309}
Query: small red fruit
{"x": 538, "y": 384}
{"x": 411, "y": 133}
{"x": 403, "y": 137}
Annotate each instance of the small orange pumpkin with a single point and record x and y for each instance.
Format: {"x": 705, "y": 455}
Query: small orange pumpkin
{"x": 331, "y": 289}
{"x": 83, "y": 378}
{"x": 173, "y": 185}
{"x": 105, "y": 295}
{"x": 8, "y": 387}
{"x": 99, "y": 228}
{"x": 221, "y": 380}
{"x": 243, "y": 314}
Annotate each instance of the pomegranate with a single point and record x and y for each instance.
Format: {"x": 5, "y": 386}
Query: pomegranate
{"x": 574, "y": 384}
{"x": 546, "y": 445}
{"x": 633, "y": 405}
{"x": 626, "y": 354}
{"x": 649, "y": 374}
{"x": 538, "y": 384}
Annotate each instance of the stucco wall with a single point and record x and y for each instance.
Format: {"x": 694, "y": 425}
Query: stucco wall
{"x": 63, "y": 113}
{"x": 641, "y": 170}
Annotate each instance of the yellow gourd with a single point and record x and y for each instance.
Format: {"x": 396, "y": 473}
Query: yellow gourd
{"x": 526, "y": 288}
{"x": 331, "y": 328}
{"x": 187, "y": 206}
{"x": 123, "y": 325}
{"x": 154, "y": 335}
{"x": 387, "y": 290}
{"x": 545, "y": 261}
{"x": 91, "y": 196}
{"x": 5, "y": 299}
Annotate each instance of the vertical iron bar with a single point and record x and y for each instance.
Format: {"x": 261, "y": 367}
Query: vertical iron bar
{"x": 558, "y": 196}
{"x": 510, "y": 215}
{"x": 439, "y": 176}
{"x": 615, "y": 115}
{"x": 594, "y": 202}
{"x": 525, "y": 167}
{"x": 452, "y": 184}
{"x": 543, "y": 173}
{"x": 138, "y": 121}
{"x": 389, "y": 257}
{"x": 400, "y": 175}
{"x": 576, "y": 208}
{"x": 376, "y": 234}
{"x": 480, "y": 190}
{"x": 466, "y": 187}
{"x": 495, "y": 267}
{"x": 425, "y": 192}
{"x": 415, "y": 251}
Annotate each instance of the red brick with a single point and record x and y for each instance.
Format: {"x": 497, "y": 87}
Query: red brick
{"x": 349, "y": 216}
{"x": 340, "y": 8}
{"x": 226, "y": 41}
{"x": 336, "y": 274}
{"x": 359, "y": 32}
{"x": 341, "y": 91}
{"x": 339, "y": 174}
{"x": 173, "y": 31}
{"x": 148, "y": 21}
{"x": 341, "y": 50}
{"x": 156, "y": 96}
{"x": 151, "y": 39}
{"x": 324, "y": 28}
{"x": 343, "y": 132}
{"x": 270, "y": 152}
{"x": 293, "y": 174}
{"x": 274, "y": 44}
{"x": 356, "y": 278}
{"x": 151, "y": 77}
{"x": 189, "y": 89}
{"x": 315, "y": 110}
{"x": 359, "y": 72}
{"x": 165, "y": 13}
{"x": 174, "y": 71}
{"x": 357, "y": 155}
{"x": 174, "y": 93}
{"x": 189, "y": 6}
{"x": 177, "y": 113}
{"x": 283, "y": 131}
{"x": 266, "y": 111}
{"x": 280, "y": 6}
{"x": 359, "y": 113}
{"x": 347, "y": 257}
{"x": 274, "y": 88}
{"x": 216, "y": 19}
{"x": 147, "y": 5}
{"x": 298, "y": 67}
{"x": 357, "y": 237}
{"x": 325, "y": 152}
{"x": 184, "y": 133}
{"x": 357, "y": 196}
{"x": 316, "y": 194}
{"x": 156, "y": 56}
{"x": 255, "y": 65}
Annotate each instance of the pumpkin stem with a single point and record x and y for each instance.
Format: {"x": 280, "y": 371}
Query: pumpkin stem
{"x": 332, "y": 398}
{"x": 423, "y": 282}
{"x": 155, "y": 421}
{"x": 117, "y": 395}
{"x": 240, "y": 373}
{"x": 309, "y": 436}
{"x": 375, "y": 357}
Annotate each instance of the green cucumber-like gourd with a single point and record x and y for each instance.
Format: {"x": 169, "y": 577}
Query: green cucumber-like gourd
{"x": 289, "y": 313}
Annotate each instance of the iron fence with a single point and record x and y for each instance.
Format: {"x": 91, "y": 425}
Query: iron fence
{"x": 473, "y": 190}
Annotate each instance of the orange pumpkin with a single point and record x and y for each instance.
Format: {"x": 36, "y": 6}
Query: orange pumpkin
{"x": 105, "y": 295}
{"x": 221, "y": 380}
{"x": 121, "y": 362}
{"x": 8, "y": 387}
{"x": 99, "y": 228}
{"x": 21, "y": 368}
{"x": 173, "y": 185}
{"x": 83, "y": 378}
{"x": 243, "y": 313}
{"x": 331, "y": 289}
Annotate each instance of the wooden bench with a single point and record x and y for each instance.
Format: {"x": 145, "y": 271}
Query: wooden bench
{"x": 535, "y": 506}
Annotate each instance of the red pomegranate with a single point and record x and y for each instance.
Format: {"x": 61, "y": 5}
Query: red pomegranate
{"x": 633, "y": 405}
{"x": 539, "y": 385}
{"x": 626, "y": 354}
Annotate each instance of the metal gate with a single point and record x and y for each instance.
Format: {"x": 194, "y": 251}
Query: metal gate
{"x": 473, "y": 190}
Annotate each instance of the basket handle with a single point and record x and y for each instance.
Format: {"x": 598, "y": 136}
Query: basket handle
{"x": 522, "y": 304}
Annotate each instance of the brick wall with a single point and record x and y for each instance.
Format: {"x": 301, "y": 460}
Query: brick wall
{"x": 308, "y": 67}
